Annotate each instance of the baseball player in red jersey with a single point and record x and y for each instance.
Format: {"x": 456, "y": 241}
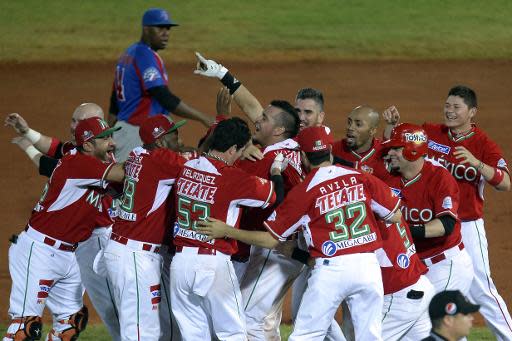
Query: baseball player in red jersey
{"x": 407, "y": 292}
{"x": 430, "y": 203}
{"x": 331, "y": 205}
{"x": 42, "y": 262}
{"x": 204, "y": 289}
{"x": 360, "y": 144}
{"x": 264, "y": 287}
{"x": 473, "y": 159}
{"x": 45, "y": 152}
{"x": 132, "y": 256}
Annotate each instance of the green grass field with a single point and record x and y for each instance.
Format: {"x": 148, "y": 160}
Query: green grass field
{"x": 98, "y": 332}
{"x": 58, "y": 30}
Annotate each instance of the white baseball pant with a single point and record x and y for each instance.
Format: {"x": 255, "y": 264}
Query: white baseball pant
{"x": 135, "y": 277}
{"x": 482, "y": 290}
{"x": 268, "y": 277}
{"x": 43, "y": 275}
{"x": 355, "y": 278}
{"x": 205, "y": 296}
{"x": 405, "y": 315}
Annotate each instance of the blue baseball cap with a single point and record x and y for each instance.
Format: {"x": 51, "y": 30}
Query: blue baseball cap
{"x": 157, "y": 17}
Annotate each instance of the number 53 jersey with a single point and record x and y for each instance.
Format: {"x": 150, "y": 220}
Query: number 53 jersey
{"x": 208, "y": 187}
{"x": 336, "y": 207}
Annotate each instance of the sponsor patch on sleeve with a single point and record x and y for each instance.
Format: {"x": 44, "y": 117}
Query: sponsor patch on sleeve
{"x": 502, "y": 163}
{"x": 151, "y": 74}
{"x": 441, "y": 148}
{"x": 447, "y": 203}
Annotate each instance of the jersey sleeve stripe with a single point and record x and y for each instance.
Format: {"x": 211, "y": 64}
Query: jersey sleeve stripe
{"x": 103, "y": 182}
{"x": 265, "y": 204}
{"x": 448, "y": 212}
{"x": 272, "y": 233}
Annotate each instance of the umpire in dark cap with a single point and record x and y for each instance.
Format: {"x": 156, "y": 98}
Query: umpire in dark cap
{"x": 452, "y": 316}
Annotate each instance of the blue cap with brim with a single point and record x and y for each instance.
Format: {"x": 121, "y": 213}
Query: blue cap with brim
{"x": 157, "y": 17}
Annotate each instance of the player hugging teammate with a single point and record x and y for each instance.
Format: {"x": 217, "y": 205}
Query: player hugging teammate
{"x": 206, "y": 245}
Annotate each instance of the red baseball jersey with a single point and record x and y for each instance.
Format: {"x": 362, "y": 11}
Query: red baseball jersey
{"x": 208, "y": 187}
{"x": 144, "y": 211}
{"x": 369, "y": 161}
{"x": 292, "y": 175}
{"x": 441, "y": 146}
{"x": 335, "y": 205}
{"x": 429, "y": 195}
{"x": 57, "y": 150}
{"x": 406, "y": 266}
{"x": 72, "y": 198}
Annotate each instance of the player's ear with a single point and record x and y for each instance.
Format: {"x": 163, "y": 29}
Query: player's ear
{"x": 472, "y": 113}
{"x": 88, "y": 146}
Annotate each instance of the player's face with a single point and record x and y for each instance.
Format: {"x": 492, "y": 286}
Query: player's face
{"x": 359, "y": 132}
{"x": 309, "y": 112}
{"x": 158, "y": 36}
{"x": 265, "y": 125}
{"x": 457, "y": 114}
{"x": 172, "y": 141}
{"x": 462, "y": 324}
{"x": 396, "y": 159}
{"x": 103, "y": 147}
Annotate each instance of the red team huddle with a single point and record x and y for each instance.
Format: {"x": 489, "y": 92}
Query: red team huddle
{"x": 383, "y": 222}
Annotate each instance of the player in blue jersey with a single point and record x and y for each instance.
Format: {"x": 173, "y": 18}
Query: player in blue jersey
{"x": 140, "y": 86}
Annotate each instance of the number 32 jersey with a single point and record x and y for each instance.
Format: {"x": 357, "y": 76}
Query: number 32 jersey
{"x": 336, "y": 206}
{"x": 209, "y": 188}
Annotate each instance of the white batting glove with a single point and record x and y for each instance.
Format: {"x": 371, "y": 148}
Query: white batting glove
{"x": 280, "y": 163}
{"x": 209, "y": 68}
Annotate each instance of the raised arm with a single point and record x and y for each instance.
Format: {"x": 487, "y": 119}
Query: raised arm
{"x": 242, "y": 96}
{"x": 41, "y": 142}
{"x": 391, "y": 116}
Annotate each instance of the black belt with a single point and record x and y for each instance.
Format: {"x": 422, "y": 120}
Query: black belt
{"x": 415, "y": 295}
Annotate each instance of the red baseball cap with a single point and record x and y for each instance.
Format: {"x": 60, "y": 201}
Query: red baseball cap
{"x": 92, "y": 128}
{"x": 156, "y": 126}
{"x": 315, "y": 139}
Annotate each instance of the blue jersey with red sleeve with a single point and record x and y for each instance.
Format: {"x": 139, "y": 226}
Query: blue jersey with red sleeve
{"x": 138, "y": 69}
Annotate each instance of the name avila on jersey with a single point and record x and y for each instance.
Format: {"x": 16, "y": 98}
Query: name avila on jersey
{"x": 339, "y": 198}
{"x": 458, "y": 171}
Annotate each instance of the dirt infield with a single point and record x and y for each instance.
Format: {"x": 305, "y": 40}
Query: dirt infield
{"x": 46, "y": 94}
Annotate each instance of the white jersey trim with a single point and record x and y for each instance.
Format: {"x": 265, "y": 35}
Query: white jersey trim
{"x": 162, "y": 192}
{"x": 328, "y": 173}
{"x": 202, "y": 164}
{"x": 286, "y": 144}
{"x": 72, "y": 191}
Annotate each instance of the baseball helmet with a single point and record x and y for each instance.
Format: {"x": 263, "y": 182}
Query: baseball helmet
{"x": 410, "y": 136}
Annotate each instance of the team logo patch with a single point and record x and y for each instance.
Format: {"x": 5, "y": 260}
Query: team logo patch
{"x": 447, "y": 203}
{"x": 87, "y": 135}
{"x": 151, "y": 74}
{"x": 319, "y": 145}
{"x": 155, "y": 295}
{"x": 416, "y": 137}
{"x": 157, "y": 132}
{"x": 176, "y": 229}
{"x": 441, "y": 148}
{"x": 502, "y": 163}
{"x": 403, "y": 261}
{"x": 44, "y": 290}
{"x": 328, "y": 248}
{"x": 450, "y": 308}
{"x": 397, "y": 192}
